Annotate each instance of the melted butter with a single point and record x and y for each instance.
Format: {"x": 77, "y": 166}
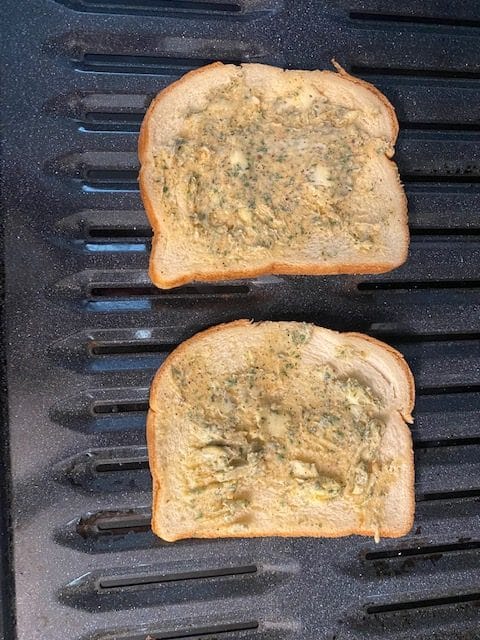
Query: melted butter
{"x": 260, "y": 173}
{"x": 312, "y": 430}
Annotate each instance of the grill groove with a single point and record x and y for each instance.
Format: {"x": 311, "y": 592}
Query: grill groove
{"x": 124, "y": 582}
{"x": 413, "y": 20}
{"x": 423, "y": 550}
{"x": 188, "y": 9}
{"x": 420, "y": 604}
{"x": 418, "y": 74}
{"x": 134, "y": 64}
{"x": 240, "y": 629}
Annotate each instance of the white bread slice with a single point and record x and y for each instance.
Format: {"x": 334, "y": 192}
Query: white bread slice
{"x": 281, "y": 429}
{"x": 248, "y": 170}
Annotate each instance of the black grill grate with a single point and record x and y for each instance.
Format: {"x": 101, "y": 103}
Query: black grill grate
{"x": 86, "y": 330}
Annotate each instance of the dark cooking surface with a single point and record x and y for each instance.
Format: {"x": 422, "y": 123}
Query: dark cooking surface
{"x": 86, "y": 330}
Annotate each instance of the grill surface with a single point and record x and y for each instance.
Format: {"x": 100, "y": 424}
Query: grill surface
{"x": 86, "y": 330}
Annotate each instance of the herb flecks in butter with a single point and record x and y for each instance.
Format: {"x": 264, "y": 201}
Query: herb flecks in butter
{"x": 313, "y": 429}
{"x": 254, "y": 173}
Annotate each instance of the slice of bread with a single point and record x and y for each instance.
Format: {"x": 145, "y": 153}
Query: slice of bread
{"x": 248, "y": 170}
{"x": 281, "y": 429}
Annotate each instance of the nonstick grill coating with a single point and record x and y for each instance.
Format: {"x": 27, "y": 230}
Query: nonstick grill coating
{"x": 86, "y": 329}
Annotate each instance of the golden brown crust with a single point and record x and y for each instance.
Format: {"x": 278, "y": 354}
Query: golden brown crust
{"x": 406, "y": 416}
{"x": 153, "y": 455}
{"x": 273, "y": 268}
{"x": 299, "y": 533}
{"x": 384, "y": 531}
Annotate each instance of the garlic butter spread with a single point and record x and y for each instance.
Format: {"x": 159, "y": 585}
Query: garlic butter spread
{"x": 254, "y": 174}
{"x": 275, "y": 422}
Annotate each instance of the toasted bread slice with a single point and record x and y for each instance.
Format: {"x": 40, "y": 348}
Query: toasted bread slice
{"x": 248, "y": 170}
{"x": 281, "y": 429}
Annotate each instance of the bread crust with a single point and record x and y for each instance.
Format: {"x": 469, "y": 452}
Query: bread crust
{"x": 153, "y": 454}
{"x": 273, "y": 267}
{"x": 378, "y": 94}
{"x": 400, "y": 360}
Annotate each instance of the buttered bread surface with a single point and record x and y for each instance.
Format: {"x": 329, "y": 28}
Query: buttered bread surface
{"x": 271, "y": 170}
{"x": 285, "y": 433}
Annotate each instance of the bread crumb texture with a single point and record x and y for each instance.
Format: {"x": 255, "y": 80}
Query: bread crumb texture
{"x": 280, "y": 428}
